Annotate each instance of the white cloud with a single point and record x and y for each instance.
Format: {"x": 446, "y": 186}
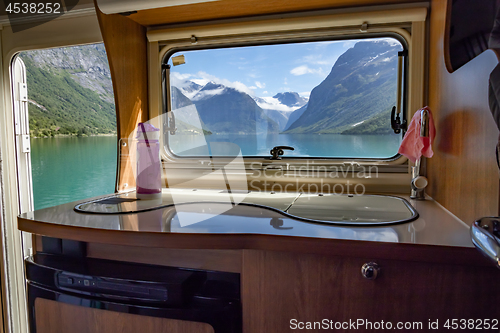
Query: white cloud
{"x": 260, "y": 85}
{"x": 241, "y": 87}
{"x": 301, "y": 70}
{"x": 180, "y": 76}
{"x": 272, "y": 103}
{"x": 203, "y": 76}
{"x": 179, "y": 80}
{"x": 391, "y": 41}
{"x": 201, "y": 82}
{"x": 207, "y": 93}
{"x": 304, "y": 69}
{"x": 286, "y": 81}
{"x": 317, "y": 59}
{"x": 305, "y": 94}
{"x": 265, "y": 92}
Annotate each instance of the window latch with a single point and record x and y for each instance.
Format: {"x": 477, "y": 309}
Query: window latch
{"x": 278, "y": 151}
{"x": 397, "y": 123}
{"x": 170, "y": 123}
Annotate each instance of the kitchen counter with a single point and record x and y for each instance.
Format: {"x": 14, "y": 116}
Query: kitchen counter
{"x": 290, "y": 268}
{"x": 434, "y": 236}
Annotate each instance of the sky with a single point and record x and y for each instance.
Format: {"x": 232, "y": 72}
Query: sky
{"x": 263, "y": 71}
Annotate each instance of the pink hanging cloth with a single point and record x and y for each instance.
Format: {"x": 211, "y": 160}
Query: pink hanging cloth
{"x": 413, "y": 145}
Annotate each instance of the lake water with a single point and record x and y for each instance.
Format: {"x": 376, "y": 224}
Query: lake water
{"x": 69, "y": 168}
{"x": 306, "y": 145}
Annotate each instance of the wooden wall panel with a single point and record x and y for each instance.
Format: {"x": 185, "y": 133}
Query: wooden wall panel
{"x": 462, "y": 174}
{"x": 278, "y": 287}
{"x": 240, "y": 8}
{"x": 55, "y": 317}
{"x": 126, "y": 47}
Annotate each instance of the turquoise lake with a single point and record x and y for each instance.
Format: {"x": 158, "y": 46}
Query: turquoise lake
{"x": 69, "y": 168}
{"x": 314, "y": 145}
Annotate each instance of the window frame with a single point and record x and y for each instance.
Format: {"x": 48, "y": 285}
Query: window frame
{"x": 406, "y": 22}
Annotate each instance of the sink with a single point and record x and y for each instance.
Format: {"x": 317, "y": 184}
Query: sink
{"x": 352, "y": 209}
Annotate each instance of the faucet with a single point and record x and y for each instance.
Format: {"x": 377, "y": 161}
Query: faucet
{"x": 418, "y": 182}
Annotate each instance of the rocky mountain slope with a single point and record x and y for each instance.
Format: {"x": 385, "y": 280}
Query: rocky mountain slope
{"x": 361, "y": 85}
{"x": 277, "y": 108}
{"x": 355, "y": 98}
{"x": 70, "y": 91}
{"x": 225, "y": 110}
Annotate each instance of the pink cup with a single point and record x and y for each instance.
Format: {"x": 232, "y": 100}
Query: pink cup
{"x": 148, "y": 181}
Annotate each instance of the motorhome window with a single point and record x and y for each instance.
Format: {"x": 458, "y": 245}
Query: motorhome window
{"x": 326, "y": 99}
{"x": 72, "y": 123}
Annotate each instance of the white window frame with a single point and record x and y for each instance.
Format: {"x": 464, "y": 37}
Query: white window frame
{"x": 407, "y": 21}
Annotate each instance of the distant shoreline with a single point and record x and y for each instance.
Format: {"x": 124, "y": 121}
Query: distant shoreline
{"x": 71, "y": 136}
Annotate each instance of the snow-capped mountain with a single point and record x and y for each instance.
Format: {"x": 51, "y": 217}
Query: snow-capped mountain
{"x": 277, "y": 108}
{"x": 226, "y": 110}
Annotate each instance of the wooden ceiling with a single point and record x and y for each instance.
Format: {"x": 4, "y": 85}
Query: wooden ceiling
{"x": 225, "y": 9}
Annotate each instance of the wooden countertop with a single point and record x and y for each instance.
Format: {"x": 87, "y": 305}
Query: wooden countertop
{"x": 436, "y": 236}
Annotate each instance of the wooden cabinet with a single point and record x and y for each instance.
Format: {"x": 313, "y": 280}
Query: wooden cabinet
{"x": 415, "y": 285}
{"x": 278, "y": 287}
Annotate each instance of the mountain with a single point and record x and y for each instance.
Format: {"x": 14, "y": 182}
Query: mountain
{"x": 378, "y": 124}
{"x": 178, "y": 99}
{"x": 281, "y": 106}
{"x": 209, "y": 90}
{"x": 280, "y": 117}
{"x": 294, "y": 116}
{"x": 187, "y": 119}
{"x": 277, "y": 108}
{"x": 290, "y": 99}
{"x": 87, "y": 65}
{"x": 191, "y": 89}
{"x": 69, "y": 91}
{"x": 361, "y": 84}
{"x": 226, "y": 110}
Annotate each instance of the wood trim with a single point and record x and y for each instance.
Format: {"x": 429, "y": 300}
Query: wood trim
{"x": 283, "y": 24}
{"x": 213, "y": 260}
{"x": 293, "y": 244}
{"x": 126, "y": 48}
{"x": 155, "y": 87}
{"x": 243, "y": 8}
{"x": 52, "y": 316}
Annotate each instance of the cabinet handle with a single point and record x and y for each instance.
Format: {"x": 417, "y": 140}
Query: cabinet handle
{"x": 370, "y": 270}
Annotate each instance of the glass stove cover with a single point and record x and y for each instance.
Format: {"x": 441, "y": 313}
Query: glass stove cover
{"x": 320, "y": 208}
